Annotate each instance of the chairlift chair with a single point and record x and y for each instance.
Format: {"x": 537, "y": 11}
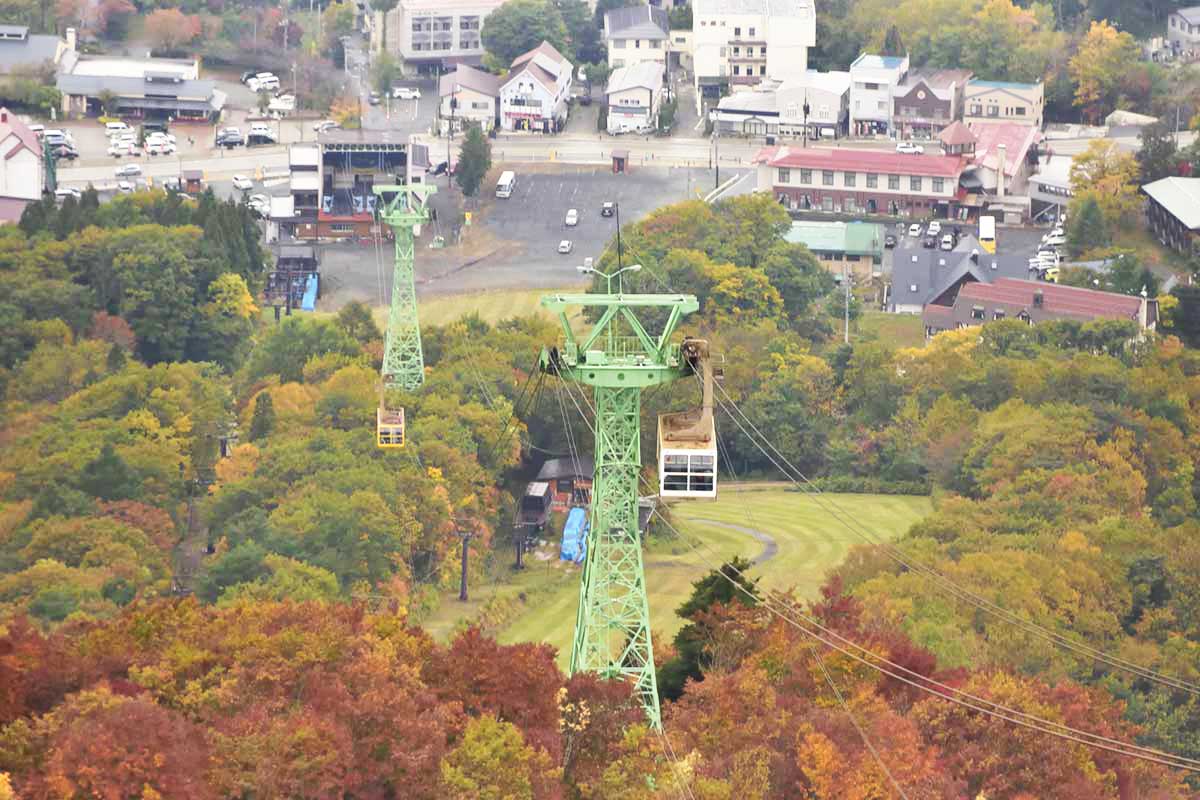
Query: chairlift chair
{"x": 687, "y": 440}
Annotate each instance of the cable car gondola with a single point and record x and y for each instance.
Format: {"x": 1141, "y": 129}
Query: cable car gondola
{"x": 687, "y": 440}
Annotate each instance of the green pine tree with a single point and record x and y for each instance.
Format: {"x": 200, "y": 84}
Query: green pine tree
{"x": 108, "y": 477}
{"x": 263, "y": 421}
{"x": 892, "y": 44}
{"x": 1086, "y": 229}
{"x": 474, "y": 161}
{"x": 116, "y": 359}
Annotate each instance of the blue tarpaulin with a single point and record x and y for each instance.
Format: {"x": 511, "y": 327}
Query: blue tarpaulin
{"x": 574, "y": 542}
{"x": 310, "y": 294}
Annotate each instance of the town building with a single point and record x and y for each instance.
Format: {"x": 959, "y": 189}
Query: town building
{"x": 873, "y": 82}
{"x": 1005, "y": 155}
{"x": 1033, "y": 302}
{"x": 927, "y": 101}
{"x": 856, "y": 247}
{"x": 1174, "y": 213}
{"x": 432, "y": 36}
{"x": 22, "y": 170}
{"x": 570, "y": 479}
{"x": 778, "y": 109}
{"x": 1183, "y": 32}
{"x": 534, "y": 94}
{"x": 1004, "y": 101}
{"x": 1050, "y": 187}
{"x": 738, "y": 43}
{"x": 922, "y": 277}
{"x": 634, "y": 94}
{"x": 468, "y": 96}
{"x": 856, "y": 181}
{"x": 25, "y": 52}
{"x": 635, "y": 34}
{"x": 149, "y": 88}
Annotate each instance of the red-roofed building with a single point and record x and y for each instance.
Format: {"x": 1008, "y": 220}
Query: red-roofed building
{"x": 1034, "y": 302}
{"x": 22, "y": 173}
{"x": 854, "y": 181}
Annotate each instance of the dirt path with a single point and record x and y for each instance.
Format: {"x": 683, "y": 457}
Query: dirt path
{"x": 189, "y": 553}
{"x": 770, "y": 548}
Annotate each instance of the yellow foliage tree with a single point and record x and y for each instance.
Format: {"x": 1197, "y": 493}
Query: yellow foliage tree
{"x": 1110, "y": 175}
{"x": 1100, "y": 66}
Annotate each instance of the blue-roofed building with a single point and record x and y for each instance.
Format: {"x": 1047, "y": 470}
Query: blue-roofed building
{"x": 1004, "y": 101}
{"x": 873, "y": 81}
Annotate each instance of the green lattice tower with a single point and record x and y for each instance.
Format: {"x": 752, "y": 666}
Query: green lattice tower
{"x": 403, "y": 359}
{"x": 618, "y": 358}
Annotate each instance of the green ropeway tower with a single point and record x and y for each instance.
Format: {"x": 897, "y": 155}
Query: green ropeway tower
{"x": 618, "y": 358}
{"x": 403, "y": 360}
{"x": 403, "y": 209}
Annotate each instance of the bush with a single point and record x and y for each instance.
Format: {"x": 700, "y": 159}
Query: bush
{"x": 602, "y": 119}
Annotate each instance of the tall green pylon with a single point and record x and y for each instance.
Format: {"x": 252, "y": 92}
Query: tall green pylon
{"x": 618, "y": 358}
{"x": 403, "y": 360}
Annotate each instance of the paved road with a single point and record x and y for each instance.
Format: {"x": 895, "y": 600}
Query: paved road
{"x": 770, "y": 548}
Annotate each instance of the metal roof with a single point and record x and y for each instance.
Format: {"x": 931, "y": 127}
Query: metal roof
{"x": 1068, "y": 301}
{"x": 636, "y": 22}
{"x": 92, "y": 85}
{"x": 644, "y": 75}
{"x": 870, "y": 61}
{"x": 28, "y": 51}
{"x": 855, "y": 238}
{"x": 852, "y": 160}
{"x": 465, "y": 77}
{"x": 1191, "y": 14}
{"x": 975, "y": 83}
{"x": 579, "y": 467}
{"x": 1180, "y": 197}
{"x": 774, "y": 8}
{"x": 932, "y": 272}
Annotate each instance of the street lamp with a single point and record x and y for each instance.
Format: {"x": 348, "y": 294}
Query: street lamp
{"x": 608, "y": 276}
{"x": 450, "y": 131}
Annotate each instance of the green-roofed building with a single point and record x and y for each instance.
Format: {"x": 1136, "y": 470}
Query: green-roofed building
{"x": 857, "y": 246}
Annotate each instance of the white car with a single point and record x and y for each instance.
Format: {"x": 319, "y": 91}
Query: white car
{"x": 117, "y": 150}
{"x": 1056, "y": 232}
{"x": 934, "y": 228}
{"x": 1054, "y": 241}
{"x": 909, "y": 148}
{"x": 242, "y": 183}
{"x": 64, "y": 192}
{"x": 160, "y": 147}
{"x": 128, "y": 170}
{"x": 124, "y": 186}
{"x": 914, "y": 230}
{"x": 159, "y": 136}
{"x": 406, "y": 93}
{"x": 572, "y": 218}
{"x": 325, "y": 125}
{"x": 565, "y": 246}
{"x": 948, "y": 242}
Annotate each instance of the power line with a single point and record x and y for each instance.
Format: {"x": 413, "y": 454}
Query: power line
{"x": 942, "y": 581}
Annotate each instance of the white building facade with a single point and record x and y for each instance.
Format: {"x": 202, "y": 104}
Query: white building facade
{"x": 22, "y": 173}
{"x": 431, "y": 35}
{"x": 634, "y": 95}
{"x": 739, "y": 43}
{"x": 535, "y": 92}
{"x": 635, "y": 34}
{"x": 873, "y": 81}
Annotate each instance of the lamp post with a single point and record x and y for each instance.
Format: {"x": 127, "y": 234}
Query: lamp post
{"x": 608, "y": 276}
{"x": 617, "y": 214}
{"x": 450, "y": 131}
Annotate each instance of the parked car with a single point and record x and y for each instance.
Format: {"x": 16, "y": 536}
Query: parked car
{"x": 948, "y": 241}
{"x": 242, "y": 183}
{"x": 406, "y": 93}
{"x": 889, "y": 241}
{"x": 128, "y": 170}
{"x": 326, "y": 125}
{"x": 64, "y": 192}
{"x": 914, "y": 230}
{"x": 608, "y": 208}
{"x": 118, "y": 149}
{"x": 172, "y": 184}
{"x": 929, "y": 243}
{"x": 565, "y": 246}
{"x": 124, "y": 186}
{"x": 228, "y": 140}
{"x": 260, "y": 203}
{"x": 160, "y": 147}
{"x": 247, "y": 75}
{"x": 66, "y": 151}
{"x": 1054, "y": 241}
{"x": 1050, "y": 274}
{"x": 572, "y": 217}
{"x": 909, "y": 148}
{"x": 585, "y": 99}
{"x": 374, "y": 98}
{"x": 934, "y": 228}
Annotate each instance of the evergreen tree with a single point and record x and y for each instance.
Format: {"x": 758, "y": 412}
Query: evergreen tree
{"x": 355, "y": 319}
{"x": 1086, "y": 229}
{"x": 474, "y": 161}
{"x": 892, "y": 44}
{"x": 1158, "y": 154}
{"x": 108, "y": 477}
{"x": 263, "y": 421}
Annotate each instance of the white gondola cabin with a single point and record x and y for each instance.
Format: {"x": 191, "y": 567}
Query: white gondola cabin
{"x": 687, "y": 440}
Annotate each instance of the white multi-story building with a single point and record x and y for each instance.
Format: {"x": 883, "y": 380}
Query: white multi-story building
{"x": 739, "y": 43}
{"x": 873, "y": 81}
{"x": 21, "y": 169}
{"x": 535, "y": 92}
{"x": 635, "y": 34}
{"x": 434, "y": 35}
{"x": 634, "y": 94}
{"x": 468, "y": 96}
{"x": 1183, "y": 31}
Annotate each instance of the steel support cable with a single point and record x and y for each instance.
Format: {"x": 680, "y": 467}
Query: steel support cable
{"x": 515, "y": 412}
{"x": 897, "y": 555}
{"x": 669, "y": 751}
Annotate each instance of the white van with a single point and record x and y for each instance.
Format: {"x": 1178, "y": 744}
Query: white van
{"x": 506, "y": 184}
{"x": 115, "y": 127}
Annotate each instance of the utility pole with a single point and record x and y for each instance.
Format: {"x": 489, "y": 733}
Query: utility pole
{"x": 466, "y": 548}
{"x": 717, "y": 152}
{"x": 617, "y": 214}
{"x": 617, "y": 358}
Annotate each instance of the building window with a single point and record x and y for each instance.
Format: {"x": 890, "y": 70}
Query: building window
{"x": 637, "y": 44}
{"x": 1019, "y": 111}
{"x": 806, "y": 176}
{"x": 939, "y": 185}
{"x": 785, "y": 176}
{"x": 914, "y": 183}
{"x": 618, "y": 62}
{"x": 752, "y": 31}
{"x": 993, "y": 111}
{"x": 342, "y": 227}
{"x": 619, "y": 44}
{"x": 762, "y": 51}
{"x": 976, "y": 110}
{"x": 872, "y": 180}
{"x": 850, "y": 178}
{"x": 977, "y": 312}
{"x": 881, "y": 106}
{"x": 737, "y": 70}
{"x": 737, "y": 51}
{"x": 827, "y": 177}
{"x": 997, "y": 314}
{"x": 874, "y": 87}
{"x": 894, "y": 182}
{"x": 737, "y": 31}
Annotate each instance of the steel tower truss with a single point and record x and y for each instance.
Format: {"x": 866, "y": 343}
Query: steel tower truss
{"x": 617, "y": 358}
{"x": 403, "y": 360}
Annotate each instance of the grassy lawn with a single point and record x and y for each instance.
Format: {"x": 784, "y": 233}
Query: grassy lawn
{"x": 900, "y": 330}
{"x": 809, "y": 542}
